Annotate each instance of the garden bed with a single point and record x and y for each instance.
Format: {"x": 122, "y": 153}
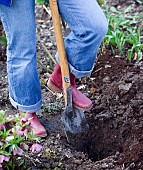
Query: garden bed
{"x": 114, "y": 140}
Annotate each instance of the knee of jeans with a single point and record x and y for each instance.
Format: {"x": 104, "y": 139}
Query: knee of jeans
{"x": 98, "y": 29}
{"x": 102, "y": 30}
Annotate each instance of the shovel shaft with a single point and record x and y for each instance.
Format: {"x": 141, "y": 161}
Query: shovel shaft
{"x": 72, "y": 118}
{"x": 61, "y": 48}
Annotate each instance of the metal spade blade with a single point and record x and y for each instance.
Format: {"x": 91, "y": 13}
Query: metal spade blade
{"x": 74, "y": 121}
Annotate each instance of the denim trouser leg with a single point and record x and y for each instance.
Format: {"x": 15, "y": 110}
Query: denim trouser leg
{"x": 88, "y": 27}
{"x": 20, "y": 28}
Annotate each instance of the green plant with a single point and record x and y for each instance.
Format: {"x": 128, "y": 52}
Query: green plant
{"x": 3, "y": 40}
{"x": 116, "y": 39}
{"x": 15, "y": 140}
{"x": 52, "y": 155}
{"x": 134, "y": 39}
{"x": 100, "y": 2}
{"x": 52, "y": 107}
{"x": 123, "y": 33}
{"x": 39, "y": 2}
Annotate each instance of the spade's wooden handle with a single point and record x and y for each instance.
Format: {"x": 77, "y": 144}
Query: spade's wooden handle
{"x": 60, "y": 47}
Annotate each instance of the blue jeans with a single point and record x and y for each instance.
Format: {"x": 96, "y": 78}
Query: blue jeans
{"x": 88, "y": 27}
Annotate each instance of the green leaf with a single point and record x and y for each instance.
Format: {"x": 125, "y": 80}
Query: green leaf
{"x": 130, "y": 54}
{"x": 39, "y": 2}
{"x": 3, "y": 40}
{"x": 5, "y": 153}
{"x": 114, "y": 10}
{"x": 140, "y": 55}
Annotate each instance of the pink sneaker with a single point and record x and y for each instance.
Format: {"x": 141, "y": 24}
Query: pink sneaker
{"x": 80, "y": 101}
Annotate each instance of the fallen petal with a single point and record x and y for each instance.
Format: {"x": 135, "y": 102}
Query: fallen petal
{"x": 36, "y": 147}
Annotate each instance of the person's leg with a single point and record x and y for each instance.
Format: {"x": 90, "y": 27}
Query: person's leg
{"x": 20, "y": 28}
{"x": 88, "y": 27}
{"x": 79, "y": 100}
{"x": 19, "y": 24}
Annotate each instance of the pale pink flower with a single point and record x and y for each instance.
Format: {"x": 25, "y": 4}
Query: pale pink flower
{"x": 9, "y": 138}
{"x": 20, "y": 133}
{"x": 1, "y": 167}
{"x": 4, "y": 158}
{"x": 36, "y": 147}
{"x": 1, "y": 143}
{"x": 2, "y": 126}
{"x": 7, "y": 158}
{"x": 18, "y": 152}
{"x": 1, "y": 158}
{"x": 26, "y": 132}
{"x": 15, "y": 129}
{"x": 10, "y": 117}
{"x": 24, "y": 120}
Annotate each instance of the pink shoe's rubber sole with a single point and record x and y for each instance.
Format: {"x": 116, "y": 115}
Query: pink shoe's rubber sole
{"x": 42, "y": 135}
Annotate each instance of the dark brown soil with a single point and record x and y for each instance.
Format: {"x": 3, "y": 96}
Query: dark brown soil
{"x": 114, "y": 140}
